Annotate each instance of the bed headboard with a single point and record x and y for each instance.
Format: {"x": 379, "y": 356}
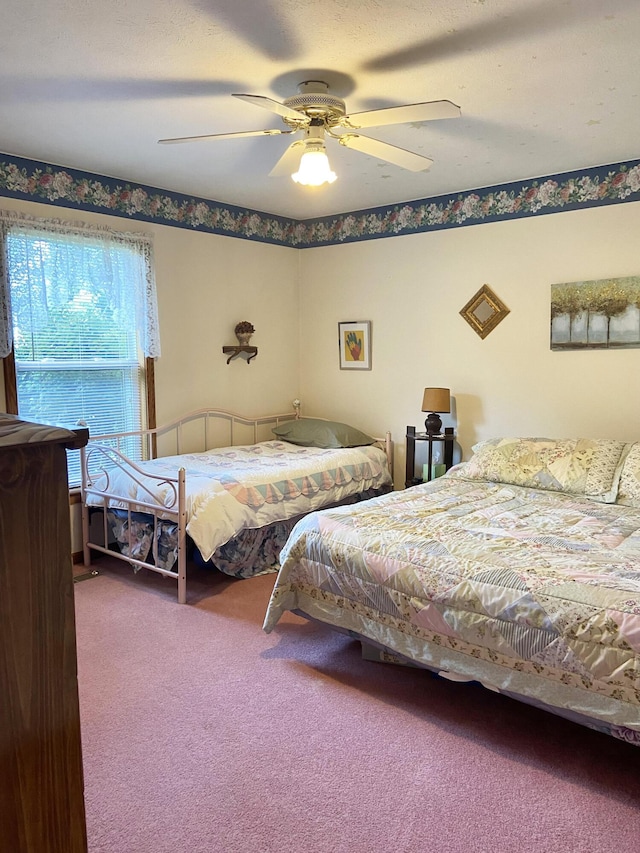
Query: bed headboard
{"x": 386, "y": 444}
{"x": 207, "y": 428}
{"x": 199, "y": 430}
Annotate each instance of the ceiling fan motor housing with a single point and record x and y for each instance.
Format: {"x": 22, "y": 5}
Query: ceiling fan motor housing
{"x": 315, "y": 102}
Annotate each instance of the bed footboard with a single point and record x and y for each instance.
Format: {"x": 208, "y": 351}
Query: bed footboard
{"x": 197, "y": 431}
{"x": 98, "y": 461}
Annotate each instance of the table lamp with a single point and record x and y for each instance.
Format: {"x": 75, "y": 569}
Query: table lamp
{"x": 435, "y": 400}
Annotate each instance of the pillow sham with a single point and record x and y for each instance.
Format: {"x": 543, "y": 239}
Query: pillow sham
{"x": 629, "y": 488}
{"x": 577, "y": 466}
{"x": 313, "y": 432}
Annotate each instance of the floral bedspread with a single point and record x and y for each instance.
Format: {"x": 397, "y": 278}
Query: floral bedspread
{"x": 232, "y": 489}
{"x": 529, "y": 591}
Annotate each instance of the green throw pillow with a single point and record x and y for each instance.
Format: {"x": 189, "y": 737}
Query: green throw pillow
{"x": 312, "y": 432}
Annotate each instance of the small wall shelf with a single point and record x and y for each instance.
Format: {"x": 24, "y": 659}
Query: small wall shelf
{"x": 245, "y": 351}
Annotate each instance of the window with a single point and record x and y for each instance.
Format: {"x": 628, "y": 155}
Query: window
{"x": 82, "y": 317}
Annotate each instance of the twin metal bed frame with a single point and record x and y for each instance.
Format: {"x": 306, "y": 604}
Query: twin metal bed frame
{"x": 197, "y": 431}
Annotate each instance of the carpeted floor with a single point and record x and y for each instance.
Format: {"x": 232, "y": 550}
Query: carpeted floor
{"x": 202, "y": 734}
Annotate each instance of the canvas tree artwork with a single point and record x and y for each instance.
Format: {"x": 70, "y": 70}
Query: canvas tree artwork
{"x": 598, "y": 314}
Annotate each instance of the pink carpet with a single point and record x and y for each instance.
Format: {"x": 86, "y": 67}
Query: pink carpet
{"x": 202, "y": 734}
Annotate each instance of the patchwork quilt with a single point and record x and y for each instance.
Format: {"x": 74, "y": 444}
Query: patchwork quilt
{"x": 534, "y": 592}
{"x": 232, "y": 489}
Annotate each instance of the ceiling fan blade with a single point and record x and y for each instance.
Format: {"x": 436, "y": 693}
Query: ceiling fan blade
{"x": 265, "y": 28}
{"x": 275, "y": 107}
{"x": 236, "y": 135}
{"x": 289, "y": 161}
{"x": 384, "y": 151}
{"x": 541, "y": 19}
{"x": 409, "y": 113}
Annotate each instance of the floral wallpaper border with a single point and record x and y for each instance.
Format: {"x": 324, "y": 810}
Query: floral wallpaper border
{"x": 43, "y": 182}
{"x": 48, "y": 184}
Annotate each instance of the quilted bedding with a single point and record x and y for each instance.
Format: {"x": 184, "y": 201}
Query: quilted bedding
{"x": 245, "y": 487}
{"x": 535, "y": 593}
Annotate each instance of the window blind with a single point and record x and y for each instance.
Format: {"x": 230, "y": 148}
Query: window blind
{"x": 74, "y": 330}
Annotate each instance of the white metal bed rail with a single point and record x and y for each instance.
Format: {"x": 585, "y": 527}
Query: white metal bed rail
{"x": 107, "y": 449}
{"x": 147, "y": 436}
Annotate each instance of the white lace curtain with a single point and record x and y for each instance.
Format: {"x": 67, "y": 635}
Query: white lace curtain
{"x": 140, "y": 274}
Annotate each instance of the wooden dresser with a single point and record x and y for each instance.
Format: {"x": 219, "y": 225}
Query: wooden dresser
{"x": 41, "y": 779}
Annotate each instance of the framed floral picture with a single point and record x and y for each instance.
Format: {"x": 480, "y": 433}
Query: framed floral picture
{"x": 354, "y": 339}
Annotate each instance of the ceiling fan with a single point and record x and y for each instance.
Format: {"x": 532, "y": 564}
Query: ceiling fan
{"x": 318, "y": 115}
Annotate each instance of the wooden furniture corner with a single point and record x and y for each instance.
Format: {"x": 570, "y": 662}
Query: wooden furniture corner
{"x": 42, "y": 790}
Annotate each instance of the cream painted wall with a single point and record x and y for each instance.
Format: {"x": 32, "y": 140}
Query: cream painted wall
{"x": 412, "y": 289}
{"x": 206, "y": 284}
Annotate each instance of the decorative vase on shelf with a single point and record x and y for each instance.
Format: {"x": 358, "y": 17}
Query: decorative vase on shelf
{"x": 243, "y": 331}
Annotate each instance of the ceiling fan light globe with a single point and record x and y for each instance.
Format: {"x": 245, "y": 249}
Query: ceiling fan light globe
{"x": 314, "y": 170}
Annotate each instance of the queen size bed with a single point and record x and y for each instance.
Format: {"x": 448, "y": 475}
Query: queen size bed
{"x": 519, "y": 569}
{"x": 220, "y": 487}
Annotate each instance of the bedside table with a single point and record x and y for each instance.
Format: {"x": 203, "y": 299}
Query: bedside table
{"x": 446, "y": 439}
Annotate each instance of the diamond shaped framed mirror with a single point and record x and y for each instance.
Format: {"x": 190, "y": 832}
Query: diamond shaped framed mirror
{"x": 484, "y": 311}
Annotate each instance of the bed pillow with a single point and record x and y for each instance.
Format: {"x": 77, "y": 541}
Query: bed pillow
{"x": 578, "y": 466}
{"x": 313, "y": 432}
{"x": 629, "y": 488}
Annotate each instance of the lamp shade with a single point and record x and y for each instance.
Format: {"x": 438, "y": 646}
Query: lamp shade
{"x": 436, "y": 400}
{"x": 314, "y": 169}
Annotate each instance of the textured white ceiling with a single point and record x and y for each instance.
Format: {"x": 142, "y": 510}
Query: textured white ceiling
{"x": 545, "y": 86}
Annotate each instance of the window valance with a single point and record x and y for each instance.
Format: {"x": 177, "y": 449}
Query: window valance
{"x": 56, "y": 254}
